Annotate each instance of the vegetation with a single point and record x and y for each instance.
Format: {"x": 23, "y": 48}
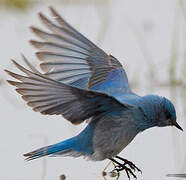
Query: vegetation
{"x": 18, "y": 4}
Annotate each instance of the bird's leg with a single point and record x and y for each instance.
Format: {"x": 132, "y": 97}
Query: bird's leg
{"x": 129, "y": 163}
{"x": 121, "y": 167}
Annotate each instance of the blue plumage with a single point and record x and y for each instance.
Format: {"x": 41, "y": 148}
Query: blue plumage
{"x": 116, "y": 83}
{"x": 76, "y": 146}
{"x": 83, "y": 83}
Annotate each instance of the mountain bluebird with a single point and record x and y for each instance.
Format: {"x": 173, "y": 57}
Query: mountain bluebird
{"x": 83, "y": 83}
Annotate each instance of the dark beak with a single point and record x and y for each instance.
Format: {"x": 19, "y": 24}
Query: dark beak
{"x": 177, "y": 125}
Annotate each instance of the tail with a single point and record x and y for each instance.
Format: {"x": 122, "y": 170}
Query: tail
{"x": 76, "y": 146}
{"x": 61, "y": 148}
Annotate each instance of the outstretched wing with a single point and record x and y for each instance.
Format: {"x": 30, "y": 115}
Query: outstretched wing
{"x": 69, "y": 57}
{"x": 53, "y": 97}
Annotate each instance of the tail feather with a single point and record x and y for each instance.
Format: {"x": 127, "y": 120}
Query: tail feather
{"x": 61, "y": 148}
{"x": 76, "y": 146}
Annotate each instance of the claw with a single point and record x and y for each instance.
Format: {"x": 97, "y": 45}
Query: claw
{"x": 128, "y": 166}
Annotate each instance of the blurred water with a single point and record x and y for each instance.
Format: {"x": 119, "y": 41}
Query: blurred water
{"x": 142, "y": 35}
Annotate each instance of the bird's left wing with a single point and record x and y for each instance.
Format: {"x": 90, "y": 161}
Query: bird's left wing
{"x": 69, "y": 57}
{"x": 52, "y": 97}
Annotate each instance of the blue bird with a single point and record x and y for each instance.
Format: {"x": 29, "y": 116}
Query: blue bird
{"x": 83, "y": 83}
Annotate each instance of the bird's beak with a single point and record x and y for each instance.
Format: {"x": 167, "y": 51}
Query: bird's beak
{"x": 177, "y": 125}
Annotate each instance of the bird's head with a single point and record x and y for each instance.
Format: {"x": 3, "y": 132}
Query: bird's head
{"x": 168, "y": 115}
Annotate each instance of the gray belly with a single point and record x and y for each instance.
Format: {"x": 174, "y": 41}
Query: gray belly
{"x": 109, "y": 141}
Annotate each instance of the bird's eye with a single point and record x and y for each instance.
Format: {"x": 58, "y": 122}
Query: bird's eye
{"x": 168, "y": 116}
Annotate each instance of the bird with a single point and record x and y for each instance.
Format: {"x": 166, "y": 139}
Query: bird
{"x": 83, "y": 83}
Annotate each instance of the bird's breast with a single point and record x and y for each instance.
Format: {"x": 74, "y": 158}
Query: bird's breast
{"x": 111, "y": 136}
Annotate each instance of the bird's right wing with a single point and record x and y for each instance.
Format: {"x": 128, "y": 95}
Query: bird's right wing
{"x": 69, "y": 57}
{"x": 52, "y": 97}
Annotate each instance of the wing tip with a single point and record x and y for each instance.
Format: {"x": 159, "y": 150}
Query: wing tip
{"x": 44, "y": 19}
{"x": 39, "y": 55}
{"x": 32, "y": 28}
{"x": 54, "y": 12}
{"x": 13, "y": 83}
{"x": 35, "y": 44}
{"x": 35, "y": 30}
{"x": 14, "y": 75}
{"x": 14, "y": 62}
{"x": 7, "y": 71}
{"x": 21, "y": 68}
{"x": 52, "y": 9}
{"x": 42, "y": 16}
{"x": 19, "y": 91}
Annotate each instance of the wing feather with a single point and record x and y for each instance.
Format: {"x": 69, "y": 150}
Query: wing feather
{"x": 64, "y": 44}
{"x": 49, "y": 96}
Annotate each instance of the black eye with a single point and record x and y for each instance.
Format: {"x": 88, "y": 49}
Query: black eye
{"x": 168, "y": 115}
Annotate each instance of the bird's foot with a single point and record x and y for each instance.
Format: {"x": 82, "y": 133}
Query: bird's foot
{"x": 128, "y": 171}
{"x": 129, "y": 163}
{"x": 127, "y": 166}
